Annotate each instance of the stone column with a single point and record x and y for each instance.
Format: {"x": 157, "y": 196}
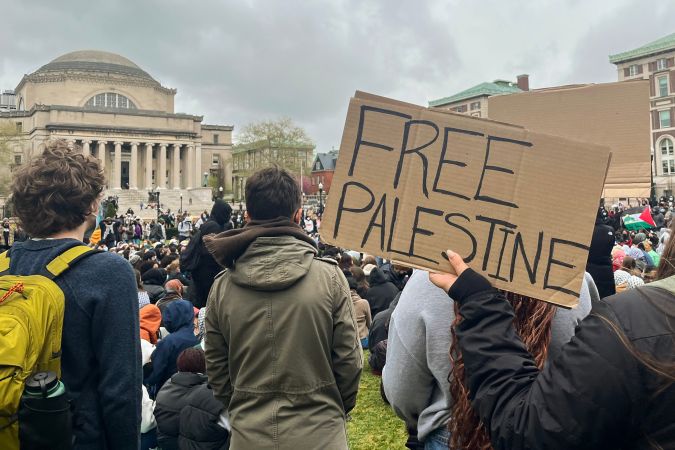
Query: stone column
{"x": 190, "y": 167}
{"x": 198, "y": 165}
{"x": 161, "y": 167}
{"x": 86, "y": 150}
{"x": 176, "y": 167}
{"x": 101, "y": 153}
{"x": 133, "y": 166}
{"x": 148, "y": 165}
{"x": 117, "y": 167}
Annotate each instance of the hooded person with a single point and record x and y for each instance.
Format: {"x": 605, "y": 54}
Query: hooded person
{"x": 206, "y": 268}
{"x": 381, "y": 291}
{"x": 178, "y": 319}
{"x": 599, "y": 263}
{"x": 150, "y": 320}
{"x": 153, "y": 283}
{"x": 282, "y": 349}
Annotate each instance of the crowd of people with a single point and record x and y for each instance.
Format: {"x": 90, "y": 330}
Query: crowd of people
{"x": 250, "y": 332}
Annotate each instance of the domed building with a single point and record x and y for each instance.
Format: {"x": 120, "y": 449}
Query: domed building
{"x": 114, "y": 110}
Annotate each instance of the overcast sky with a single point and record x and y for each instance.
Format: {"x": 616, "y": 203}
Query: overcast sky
{"x": 240, "y": 61}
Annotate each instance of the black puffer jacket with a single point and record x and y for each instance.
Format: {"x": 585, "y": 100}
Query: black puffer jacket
{"x": 381, "y": 292}
{"x": 171, "y": 399}
{"x": 199, "y": 428}
{"x": 207, "y": 268}
{"x": 595, "y": 394}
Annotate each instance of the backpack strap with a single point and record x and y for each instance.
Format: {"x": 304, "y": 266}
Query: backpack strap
{"x": 59, "y": 264}
{"x": 66, "y": 260}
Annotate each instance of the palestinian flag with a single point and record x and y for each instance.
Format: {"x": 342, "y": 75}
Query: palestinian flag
{"x": 640, "y": 221}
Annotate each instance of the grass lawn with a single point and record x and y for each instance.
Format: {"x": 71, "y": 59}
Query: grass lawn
{"x": 374, "y": 426}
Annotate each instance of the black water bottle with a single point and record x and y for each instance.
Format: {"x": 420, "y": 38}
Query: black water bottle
{"x": 44, "y": 414}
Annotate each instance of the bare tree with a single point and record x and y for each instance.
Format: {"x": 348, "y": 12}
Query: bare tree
{"x": 275, "y": 133}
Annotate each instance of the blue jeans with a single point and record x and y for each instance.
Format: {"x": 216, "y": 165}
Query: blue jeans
{"x": 438, "y": 439}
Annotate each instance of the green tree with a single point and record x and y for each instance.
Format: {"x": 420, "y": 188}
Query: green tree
{"x": 275, "y": 133}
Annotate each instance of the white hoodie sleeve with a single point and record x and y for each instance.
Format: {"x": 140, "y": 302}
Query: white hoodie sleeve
{"x": 147, "y": 413}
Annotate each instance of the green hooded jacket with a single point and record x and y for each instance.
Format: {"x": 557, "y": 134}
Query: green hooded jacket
{"x": 282, "y": 349}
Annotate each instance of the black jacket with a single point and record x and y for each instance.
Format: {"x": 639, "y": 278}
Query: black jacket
{"x": 599, "y": 263}
{"x": 595, "y": 394}
{"x": 207, "y": 268}
{"x": 171, "y": 400}
{"x": 379, "y": 329}
{"x": 199, "y": 429}
{"x": 380, "y": 293}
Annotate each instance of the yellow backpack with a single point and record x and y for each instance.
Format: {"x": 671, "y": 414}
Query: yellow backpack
{"x": 31, "y": 323}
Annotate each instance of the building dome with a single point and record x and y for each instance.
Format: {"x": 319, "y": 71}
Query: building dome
{"x": 94, "y": 61}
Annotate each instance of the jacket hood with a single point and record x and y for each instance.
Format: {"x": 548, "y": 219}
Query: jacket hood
{"x": 273, "y": 263}
{"x": 154, "y": 276}
{"x": 150, "y": 319}
{"x": 221, "y": 212}
{"x": 178, "y": 314}
{"x": 376, "y": 277}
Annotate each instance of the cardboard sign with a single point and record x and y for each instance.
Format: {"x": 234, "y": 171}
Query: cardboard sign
{"x": 612, "y": 114}
{"x": 518, "y": 206}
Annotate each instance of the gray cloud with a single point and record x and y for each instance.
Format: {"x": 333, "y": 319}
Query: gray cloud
{"x": 237, "y": 62}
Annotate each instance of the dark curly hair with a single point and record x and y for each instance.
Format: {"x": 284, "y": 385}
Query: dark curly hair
{"x": 55, "y": 191}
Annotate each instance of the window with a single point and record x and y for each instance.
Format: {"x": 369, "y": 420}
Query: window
{"x": 215, "y": 159}
{"x": 17, "y": 159}
{"x": 661, "y": 64}
{"x": 667, "y": 158}
{"x": 475, "y": 105}
{"x": 663, "y": 86}
{"x": 19, "y": 127}
{"x": 110, "y": 100}
{"x": 633, "y": 70}
{"x": 668, "y": 167}
{"x": 664, "y": 119}
{"x": 215, "y": 138}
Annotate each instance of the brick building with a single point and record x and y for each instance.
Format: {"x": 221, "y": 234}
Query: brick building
{"x": 655, "y": 61}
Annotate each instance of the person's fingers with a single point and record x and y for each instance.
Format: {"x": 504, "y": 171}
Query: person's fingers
{"x": 456, "y": 262}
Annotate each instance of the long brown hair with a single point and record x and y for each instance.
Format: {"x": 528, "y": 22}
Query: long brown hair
{"x": 532, "y": 322}
{"x": 667, "y": 263}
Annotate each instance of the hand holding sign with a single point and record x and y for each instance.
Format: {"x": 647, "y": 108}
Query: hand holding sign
{"x": 446, "y": 280}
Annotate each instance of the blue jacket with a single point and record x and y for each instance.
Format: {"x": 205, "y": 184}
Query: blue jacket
{"x": 101, "y": 353}
{"x": 178, "y": 318}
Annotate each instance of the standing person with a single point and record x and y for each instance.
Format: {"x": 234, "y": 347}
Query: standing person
{"x": 184, "y": 228}
{"x": 282, "y": 349}
{"x": 5, "y": 232}
{"x": 201, "y": 264}
{"x": 599, "y": 263}
{"x": 612, "y": 386}
{"x": 100, "y": 344}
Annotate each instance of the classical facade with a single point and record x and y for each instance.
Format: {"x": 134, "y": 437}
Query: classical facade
{"x": 112, "y": 109}
{"x": 246, "y": 159}
{"x": 655, "y": 61}
{"x": 474, "y": 101}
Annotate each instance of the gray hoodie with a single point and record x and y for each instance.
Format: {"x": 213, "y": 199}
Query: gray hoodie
{"x": 415, "y": 376}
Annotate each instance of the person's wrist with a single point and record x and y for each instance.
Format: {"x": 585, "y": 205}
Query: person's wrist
{"x": 468, "y": 283}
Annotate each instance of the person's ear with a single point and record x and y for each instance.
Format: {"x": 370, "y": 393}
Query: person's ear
{"x": 298, "y": 216}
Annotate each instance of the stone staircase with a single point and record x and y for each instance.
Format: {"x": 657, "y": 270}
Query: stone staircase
{"x": 194, "y": 201}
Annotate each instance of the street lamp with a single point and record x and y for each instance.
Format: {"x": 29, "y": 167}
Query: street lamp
{"x": 320, "y": 200}
{"x": 206, "y": 178}
{"x": 220, "y": 192}
{"x": 181, "y": 203}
